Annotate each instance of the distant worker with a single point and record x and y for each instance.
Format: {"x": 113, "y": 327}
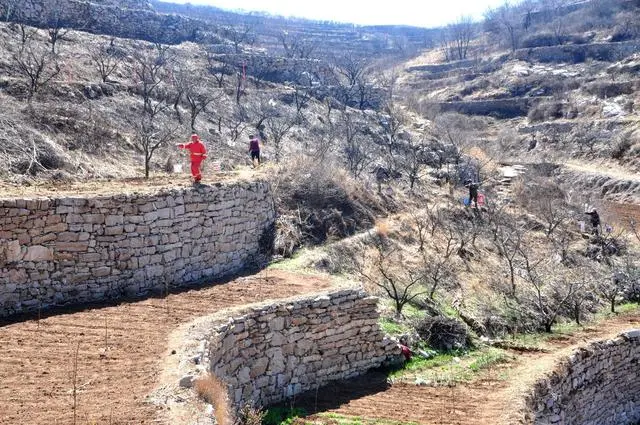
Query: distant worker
{"x": 405, "y": 351}
{"x": 595, "y": 221}
{"x": 254, "y": 150}
{"x": 473, "y": 191}
{"x": 198, "y": 154}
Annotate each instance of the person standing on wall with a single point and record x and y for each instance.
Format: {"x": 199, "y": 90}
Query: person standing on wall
{"x": 198, "y": 154}
{"x": 254, "y": 150}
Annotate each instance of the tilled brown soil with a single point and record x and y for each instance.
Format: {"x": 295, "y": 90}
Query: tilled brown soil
{"x": 119, "y": 348}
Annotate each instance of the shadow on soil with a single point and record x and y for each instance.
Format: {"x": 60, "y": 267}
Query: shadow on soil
{"x": 120, "y": 299}
{"x": 338, "y": 393}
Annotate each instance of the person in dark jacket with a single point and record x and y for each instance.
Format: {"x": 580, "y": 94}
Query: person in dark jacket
{"x": 473, "y": 191}
{"x": 595, "y": 221}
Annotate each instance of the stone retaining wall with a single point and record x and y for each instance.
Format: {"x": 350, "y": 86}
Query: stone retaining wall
{"x": 72, "y": 250}
{"x": 578, "y": 53}
{"x": 269, "y": 353}
{"x": 128, "y": 19}
{"x": 499, "y": 108}
{"x": 596, "y": 385}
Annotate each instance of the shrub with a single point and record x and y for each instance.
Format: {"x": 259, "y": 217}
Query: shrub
{"x": 621, "y": 148}
{"x": 316, "y": 202}
{"x": 545, "y": 111}
{"x": 443, "y": 333}
{"x": 606, "y": 90}
{"x": 543, "y": 39}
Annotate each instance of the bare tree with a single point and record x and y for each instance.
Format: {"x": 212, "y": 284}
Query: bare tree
{"x": 218, "y": 66}
{"x": 150, "y": 74}
{"x": 105, "y": 59}
{"x": 506, "y": 23}
{"x": 56, "y": 28}
{"x": 402, "y": 284}
{"x": 437, "y": 266}
{"x": 237, "y": 122}
{"x": 412, "y": 161}
{"x": 277, "y": 129}
{"x": 243, "y": 33}
{"x": 391, "y": 120}
{"x": 356, "y": 152}
{"x": 295, "y": 45}
{"x": 457, "y": 38}
{"x": 545, "y": 293}
{"x": 556, "y": 16}
{"x": 38, "y": 65}
{"x": 508, "y": 241}
{"x": 26, "y": 33}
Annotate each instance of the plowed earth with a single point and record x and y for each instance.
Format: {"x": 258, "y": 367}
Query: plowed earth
{"x": 119, "y": 352}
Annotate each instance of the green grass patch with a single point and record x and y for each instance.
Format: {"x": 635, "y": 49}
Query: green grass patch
{"x": 487, "y": 359}
{"x": 393, "y": 328}
{"x": 282, "y": 415}
{"x": 450, "y": 368}
{"x": 357, "y": 420}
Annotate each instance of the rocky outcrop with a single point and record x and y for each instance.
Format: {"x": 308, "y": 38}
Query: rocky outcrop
{"x": 74, "y": 250}
{"x": 596, "y": 385}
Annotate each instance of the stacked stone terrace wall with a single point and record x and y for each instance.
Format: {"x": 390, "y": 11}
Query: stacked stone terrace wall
{"x": 128, "y": 19}
{"x": 577, "y": 53}
{"x": 74, "y": 250}
{"x": 596, "y": 385}
{"x": 270, "y": 353}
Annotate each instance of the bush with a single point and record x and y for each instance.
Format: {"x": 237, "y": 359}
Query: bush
{"x": 606, "y": 90}
{"x": 317, "y": 203}
{"x": 545, "y": 111}
{"x": 443, "y": 333}
{"x": 621, "y": 148}
{"x": 543, "y": 39}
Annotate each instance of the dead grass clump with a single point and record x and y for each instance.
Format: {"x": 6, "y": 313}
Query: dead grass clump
{"x": 322, "y": 202}
{"x": 214, "y": 391}
{"x": 382, "y": 228}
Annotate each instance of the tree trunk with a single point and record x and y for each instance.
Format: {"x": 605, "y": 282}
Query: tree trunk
{"x": 147, "y": 162}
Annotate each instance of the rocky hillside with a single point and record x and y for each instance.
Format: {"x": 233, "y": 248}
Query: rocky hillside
{"x": 565, "y": 93}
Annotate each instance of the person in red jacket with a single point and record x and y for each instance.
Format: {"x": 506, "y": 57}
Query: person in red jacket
{"x": 198, "y": 154}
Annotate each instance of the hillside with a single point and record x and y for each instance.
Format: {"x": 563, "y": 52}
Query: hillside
{"x": 372, "y": 142}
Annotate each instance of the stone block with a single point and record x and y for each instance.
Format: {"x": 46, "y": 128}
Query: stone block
{"x": 38, "y": 253}
{"x": 72, "y": 246}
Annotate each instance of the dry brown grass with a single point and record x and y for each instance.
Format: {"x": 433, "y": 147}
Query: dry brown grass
{"x": 382, "y": 227}
{"x": 214, "y": 391}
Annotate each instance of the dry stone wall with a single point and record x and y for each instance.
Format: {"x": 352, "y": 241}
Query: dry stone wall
{"x": 125, "y": 18}
{"x": 82, "y": 249}
{"x": 597, "y": 385}
{"x": 272, "y": 352}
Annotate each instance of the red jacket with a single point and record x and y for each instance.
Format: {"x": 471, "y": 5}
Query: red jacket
{"x": 197, "y": 149}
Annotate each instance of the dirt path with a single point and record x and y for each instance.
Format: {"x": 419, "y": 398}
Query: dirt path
{"x": 495, "y": 398}
{"x": 37, "y": 359}
{"x": 608, "y": 170}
